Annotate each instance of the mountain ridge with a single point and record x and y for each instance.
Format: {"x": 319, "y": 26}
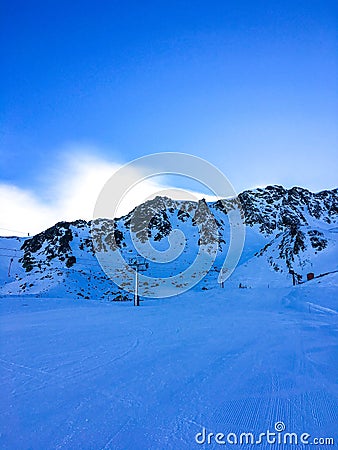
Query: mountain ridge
{"x": 287, "y": 230}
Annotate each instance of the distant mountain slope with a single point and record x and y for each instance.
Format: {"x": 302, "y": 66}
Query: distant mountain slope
{"x": 287, "y": 230}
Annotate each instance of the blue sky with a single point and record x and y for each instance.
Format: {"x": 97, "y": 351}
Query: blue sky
{"x": 249, "y": 85}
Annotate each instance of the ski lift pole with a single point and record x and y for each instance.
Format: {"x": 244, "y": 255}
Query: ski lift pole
{"x": 136, "y": 298}
{"x": 293, "y": 277}
{"x": 221, "y": 277}
{"x": 9, "y": 267}
{"x": 140, "y": 265}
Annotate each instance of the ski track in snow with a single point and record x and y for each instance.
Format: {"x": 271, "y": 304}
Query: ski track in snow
{"x": 98, "y": 376}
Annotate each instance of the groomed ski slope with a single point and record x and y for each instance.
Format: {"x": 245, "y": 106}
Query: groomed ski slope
{"x": 91, "y": 375}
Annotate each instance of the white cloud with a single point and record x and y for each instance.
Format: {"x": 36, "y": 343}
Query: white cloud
{"x": 22, "y": 212}
{"x": 69, "y": 192}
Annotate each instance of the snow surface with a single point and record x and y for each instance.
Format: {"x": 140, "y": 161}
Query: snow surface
{"x": 96, "y": 375}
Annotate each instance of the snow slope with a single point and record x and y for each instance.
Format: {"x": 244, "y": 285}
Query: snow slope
{"x": 98, "y": 375}
{"x": 78, "y": 372}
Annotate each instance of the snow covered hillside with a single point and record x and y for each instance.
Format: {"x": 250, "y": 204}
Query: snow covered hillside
{"x": 286, "y": 230}
{"x": 255, "y": 356}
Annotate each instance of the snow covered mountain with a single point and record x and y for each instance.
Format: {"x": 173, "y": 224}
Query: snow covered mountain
{"x": 286, "y": 230}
